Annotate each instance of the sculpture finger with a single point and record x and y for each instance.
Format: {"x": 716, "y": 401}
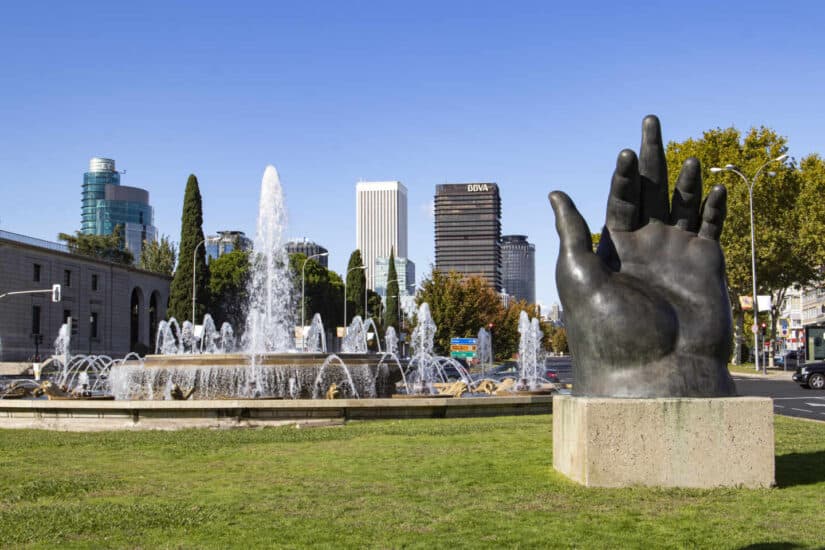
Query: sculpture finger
{"x": 572, "y": 229}
{"x": 652, "y": 173}
{"x": 714, "y": 211}
{"x": 623, "y": 202}
{"x": 687, "y": 195}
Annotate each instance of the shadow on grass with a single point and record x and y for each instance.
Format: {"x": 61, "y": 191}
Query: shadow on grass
{"x": 800, "y": 469}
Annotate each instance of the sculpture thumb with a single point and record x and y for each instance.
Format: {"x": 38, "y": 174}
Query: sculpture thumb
{"x": 572, "y": 229}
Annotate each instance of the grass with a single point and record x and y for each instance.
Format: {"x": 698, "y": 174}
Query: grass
{"x": 470, "y": 483}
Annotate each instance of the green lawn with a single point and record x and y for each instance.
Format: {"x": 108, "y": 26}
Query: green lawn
{"x": 425, "y": 483}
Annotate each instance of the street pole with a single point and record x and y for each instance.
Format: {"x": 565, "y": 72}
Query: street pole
{"x": 750, "y": 184}
{"x": 303, "y": 295}
{"x": 194, "y": 268}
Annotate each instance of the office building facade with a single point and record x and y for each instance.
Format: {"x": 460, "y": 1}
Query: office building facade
{"x": 118, "y": 307}
{"x": 468, "y": 230}
{"x": 518, "y": 267}
{"x": 404, "y": 268}
{"x": 106, "y": 204}
{"x": 308, "y": 248}
{"x": 380, "y": 222}
{"x": 225, "y": 242}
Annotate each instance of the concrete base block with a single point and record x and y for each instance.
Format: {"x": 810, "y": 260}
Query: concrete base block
{"x": 668, "y": 442}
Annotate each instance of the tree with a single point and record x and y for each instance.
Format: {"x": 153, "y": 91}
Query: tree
{"x": 324, "y": 290}
{"x": 158, "y": 256}
{"x": 559, "y": 341}
{"x": 356, "y": 286}
{"x": 391, "y": 314}
{"x": 191, "y": 235}
{"x": 110, "y": 248}
{"x": 788, "y": 213}
{"x": 459, "y": 306}
{"x": 228, "y": 279}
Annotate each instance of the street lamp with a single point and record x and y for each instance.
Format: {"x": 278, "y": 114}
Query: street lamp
{"x": 345, "y": 295}
{"x": 303, "y": 294}
{"x": 194, "y": 268}
{"x": 750, "y": 184}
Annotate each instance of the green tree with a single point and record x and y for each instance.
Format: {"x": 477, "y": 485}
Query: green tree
{"x": 110, "y": 248}
{"x": 559, "y": 341}
{"x": 191, "y": 236}
{"x": 393, "y": 294}
{"x": 324, "y": 291}
{"x": 228, "y": 279}
{"x": 459, "y": 307}
{"x": 158, "y": 256}
{"x": 356, "y": 286}
{"x": 788, "y": 247}
{"x": 505, "y": 332}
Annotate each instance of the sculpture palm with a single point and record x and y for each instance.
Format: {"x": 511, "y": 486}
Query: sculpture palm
{"x": 648, "y": 313}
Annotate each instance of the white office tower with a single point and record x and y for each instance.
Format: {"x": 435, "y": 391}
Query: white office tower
{"x": 380, "y": 222}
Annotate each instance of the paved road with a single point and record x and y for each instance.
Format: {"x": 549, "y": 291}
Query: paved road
{"x": 789, "y": 398}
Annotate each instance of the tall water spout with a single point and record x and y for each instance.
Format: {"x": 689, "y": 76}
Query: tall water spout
{"x": 269, "y": 321}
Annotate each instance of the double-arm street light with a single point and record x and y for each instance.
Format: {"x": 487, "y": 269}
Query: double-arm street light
{"x": 194, "y": 269}
{"x": 345, "y": 295}
{"x": 750, "y": 183}
{"x": 303, "y": 292}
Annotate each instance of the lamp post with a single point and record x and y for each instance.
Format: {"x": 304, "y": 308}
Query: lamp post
{"x": 750, "y": 184}
{"x": 194, "y": 269}
{"x": 303, "y": 295}
{"x": 345, "y": 295}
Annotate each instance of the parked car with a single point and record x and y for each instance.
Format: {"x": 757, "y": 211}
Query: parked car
{"x": 789, "y": 360}
{"x": 811, "y": 375}
{"x": 511, "y": 369}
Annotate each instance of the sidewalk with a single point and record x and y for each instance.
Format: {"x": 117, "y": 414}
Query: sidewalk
{"x": 773, "y": 374}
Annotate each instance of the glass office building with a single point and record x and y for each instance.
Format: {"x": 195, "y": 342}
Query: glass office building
{"x": 225, "y": 242}
{"x": 518, "y": 267}
{"x": 107, "y": 204}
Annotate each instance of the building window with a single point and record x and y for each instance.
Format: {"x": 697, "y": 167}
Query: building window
{"x": 93, "y": 324}
{"x": 35, "y": 319}
{"x": 67, "y": 277}
{"x": 36, "y": 274}
{"x": 67, "y": 314}
{"x": 94, "y": 282}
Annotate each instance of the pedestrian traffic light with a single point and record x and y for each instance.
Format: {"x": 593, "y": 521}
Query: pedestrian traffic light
{"x": 55, "y": 293}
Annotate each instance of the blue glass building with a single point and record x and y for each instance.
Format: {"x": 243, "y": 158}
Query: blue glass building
{"x": 107, "y": 204}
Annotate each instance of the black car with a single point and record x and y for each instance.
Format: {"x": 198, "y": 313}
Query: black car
{"x": 811, "y": 375}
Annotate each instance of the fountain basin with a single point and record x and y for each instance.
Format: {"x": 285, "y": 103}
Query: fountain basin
{"x": 265, "y": 376}
{"x": 80, "y": 415}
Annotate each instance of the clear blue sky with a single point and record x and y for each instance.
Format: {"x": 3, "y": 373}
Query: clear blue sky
{"x": 534, "y": 96}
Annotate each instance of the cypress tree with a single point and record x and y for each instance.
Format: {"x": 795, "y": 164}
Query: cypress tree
{"x": 191, "y": 235}
{"x": 356, "y": 286}
{"x": 393, "y": 294}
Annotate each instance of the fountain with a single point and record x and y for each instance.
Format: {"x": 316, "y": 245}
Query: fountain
{"x": 204, "y": 364}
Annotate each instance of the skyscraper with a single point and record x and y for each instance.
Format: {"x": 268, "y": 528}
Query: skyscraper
{"x": 468, "y": 230}
{"x": 308, "y": 248}
{"x": 225, "y": 242}
{"x": 380, "y": 222}
{"x": 107, "y": 204}
{"x": 518, "y": 267}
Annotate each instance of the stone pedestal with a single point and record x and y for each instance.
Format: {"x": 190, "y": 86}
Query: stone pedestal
{"x": 667, "y": 442}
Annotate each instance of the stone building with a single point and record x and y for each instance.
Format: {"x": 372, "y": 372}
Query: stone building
{"x": 117, "y": 307}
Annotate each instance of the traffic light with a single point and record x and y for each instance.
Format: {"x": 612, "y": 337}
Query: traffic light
{"x": 55, "y": 293}
{"x": 764, "y": 329}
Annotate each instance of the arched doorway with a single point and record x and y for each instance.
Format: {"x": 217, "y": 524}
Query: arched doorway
{"x": 135, "y": 307}
{"x": 154, "y": 302}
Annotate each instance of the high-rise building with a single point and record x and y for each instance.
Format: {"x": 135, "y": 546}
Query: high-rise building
{"x": 380, "y": 222}
{"x": 518, "y": 267}
{"x": 468, "y": 230}
{"x": 225, "y": 242}
{"x": 308, "y": 248}
{"x": 107, "y": 204}
{"x": 404, "y": 268}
